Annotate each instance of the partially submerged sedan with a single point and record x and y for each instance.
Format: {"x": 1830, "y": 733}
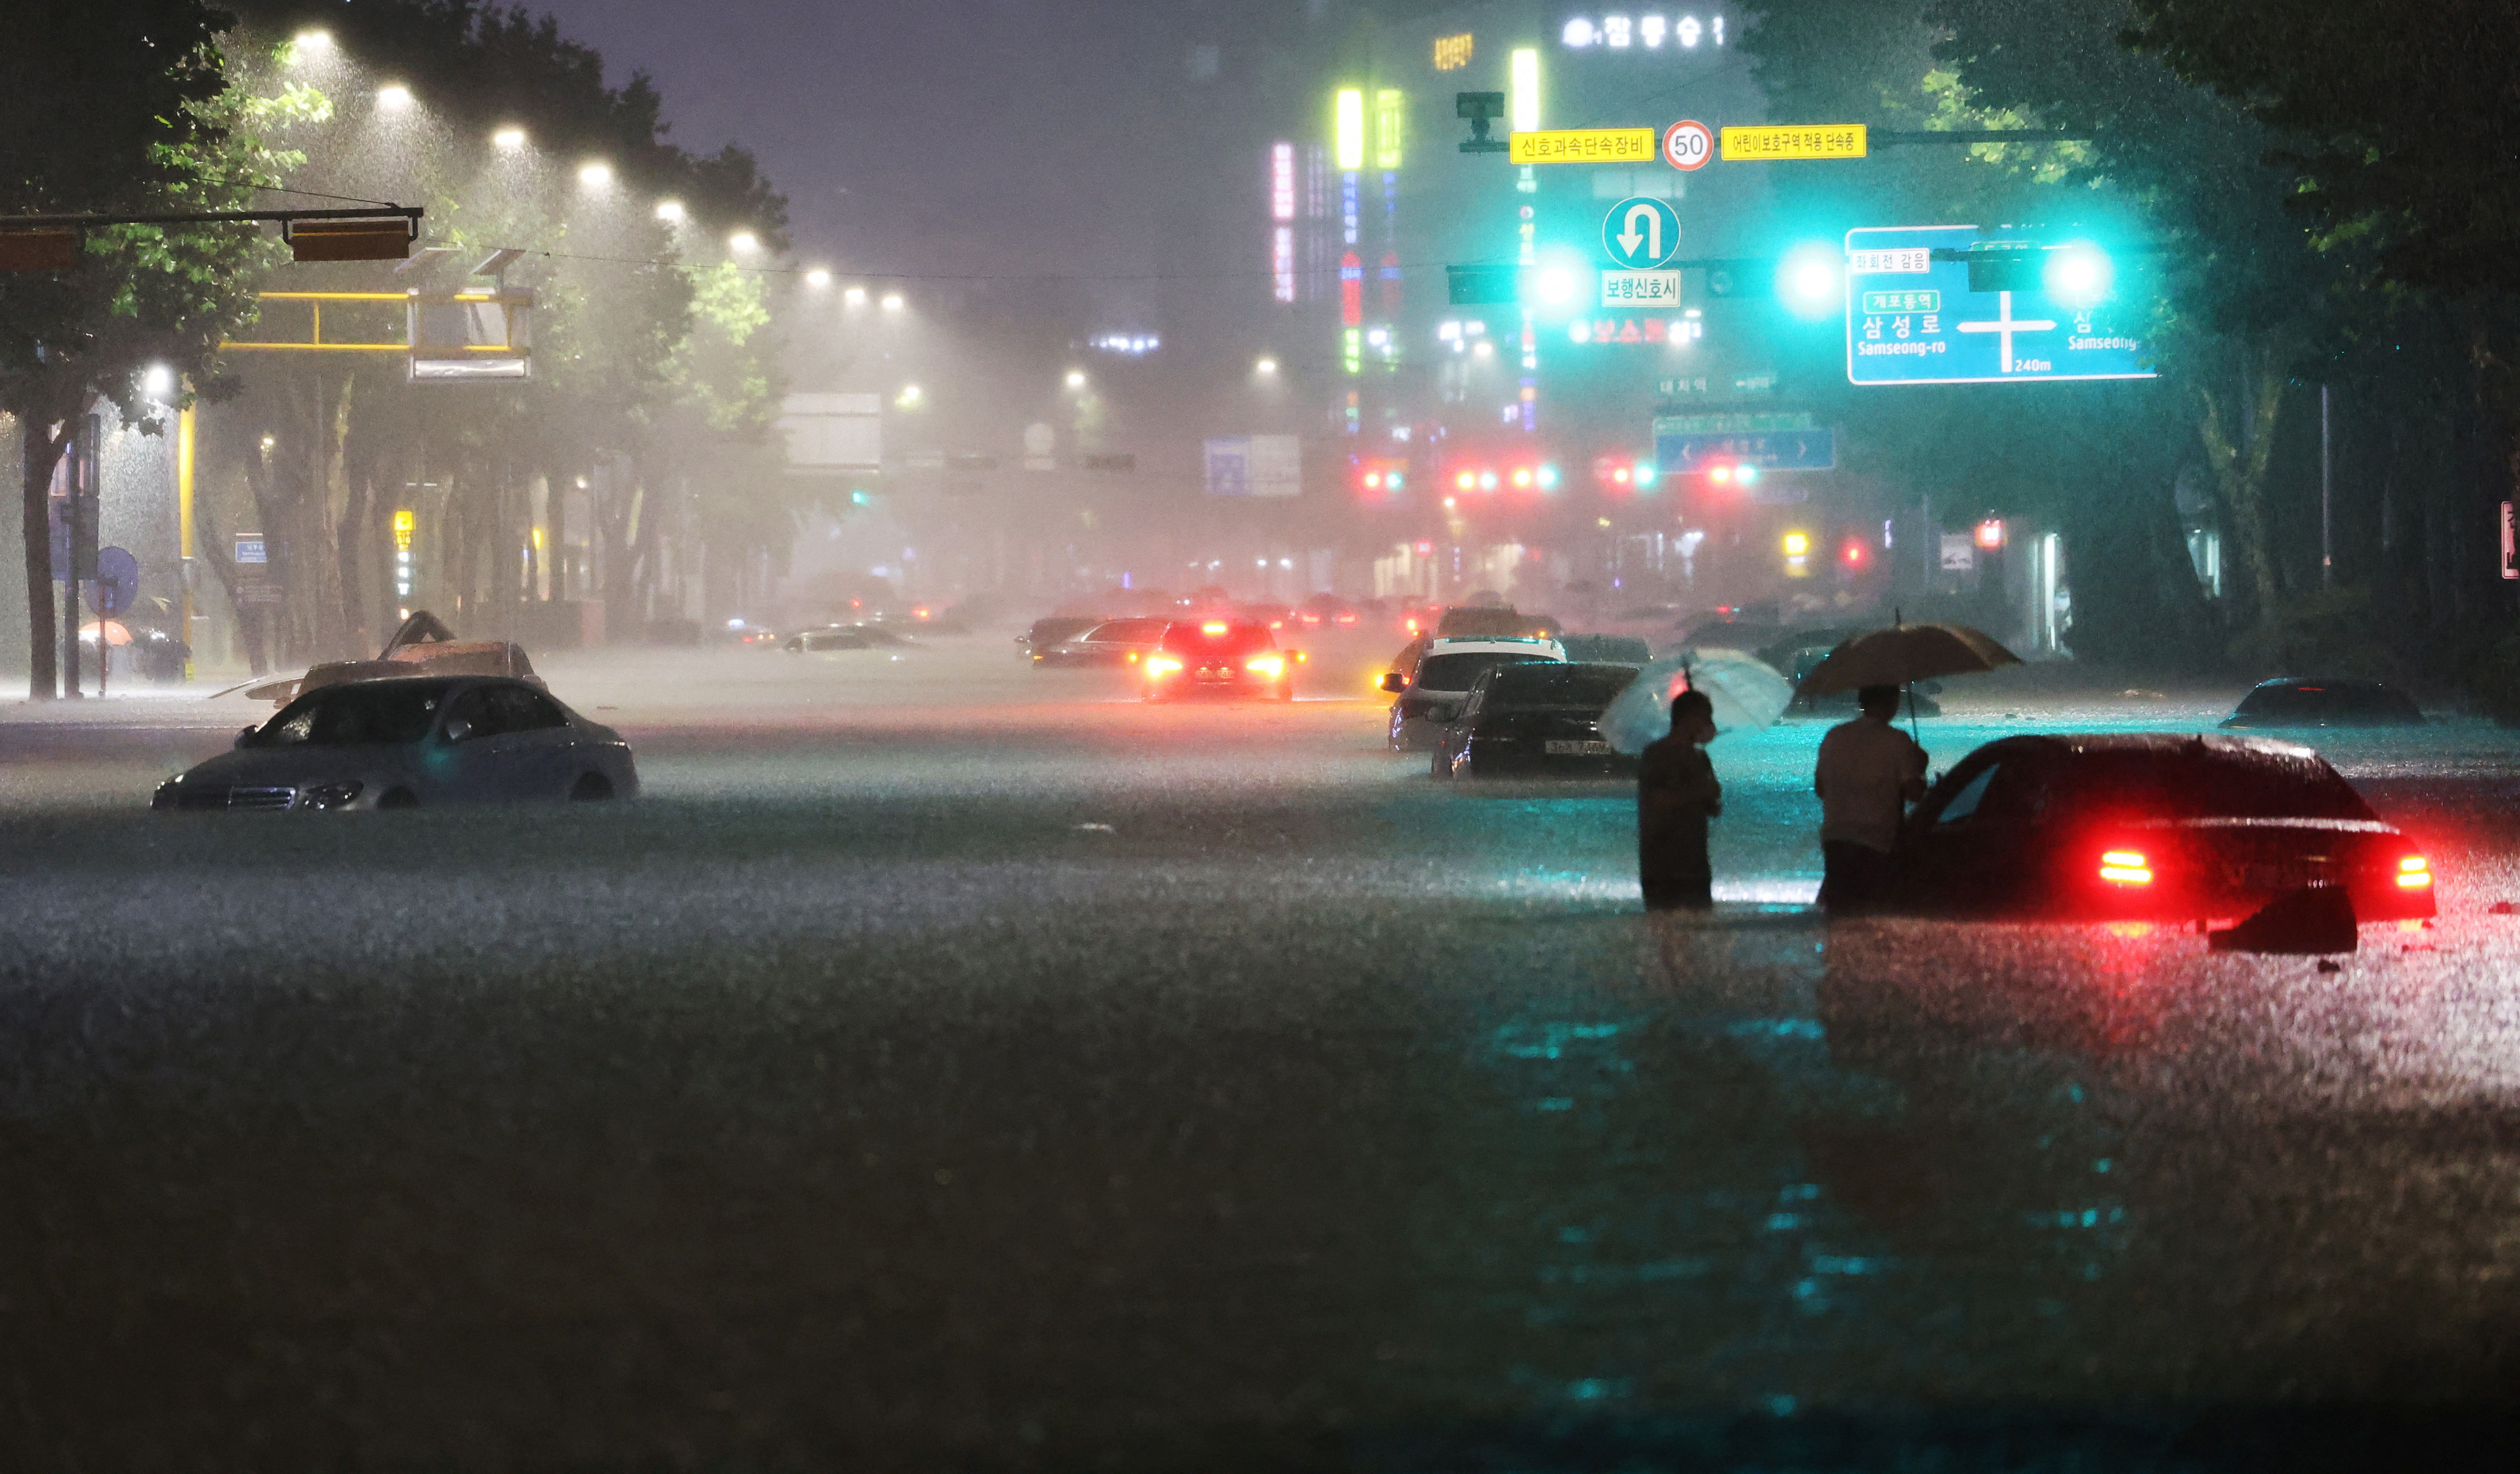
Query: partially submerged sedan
{"x": 1533, "y": 719}
{"x": 404, "y": 743}
{"x": 2150, "y": 827}
{"x": 2294, "y": 700}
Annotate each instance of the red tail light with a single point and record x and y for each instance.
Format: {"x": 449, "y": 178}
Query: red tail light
{"x": 2126, "y": 867}
{"x": 2414, "y": 872}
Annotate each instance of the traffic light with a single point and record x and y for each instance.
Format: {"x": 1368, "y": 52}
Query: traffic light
{"x": 1811, "y": 280}
{"x": 2078, "y": 274}
{"x": 1380, "y": 477}
{"x": 1733, "y": 473}
{"x": 1797, "y": 550}
{"x": 1854, "y": 555}
{"x": 1618, "y": 473}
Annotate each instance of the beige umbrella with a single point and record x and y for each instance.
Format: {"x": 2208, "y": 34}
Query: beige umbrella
{"x": 1902, "y": 656}
{"x": 115, "y": 632}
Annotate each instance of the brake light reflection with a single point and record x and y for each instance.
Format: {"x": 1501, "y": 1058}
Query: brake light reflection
{"x": 2414, "y": 872}
{"x": 2126, "y": 867}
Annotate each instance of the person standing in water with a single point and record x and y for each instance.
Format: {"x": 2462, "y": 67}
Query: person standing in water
{"x": 1676, "y": 795}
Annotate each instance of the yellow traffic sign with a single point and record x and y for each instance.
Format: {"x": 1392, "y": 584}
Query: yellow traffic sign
{"x": 1587, "y": 146}
{"x": 1770, "y": 143}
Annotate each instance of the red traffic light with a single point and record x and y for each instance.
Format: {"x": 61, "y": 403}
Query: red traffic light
{"x": 1853, "y": 553}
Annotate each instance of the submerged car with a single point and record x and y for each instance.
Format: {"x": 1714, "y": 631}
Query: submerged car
{"x": 2332, "y": 702}
{"x": 1219, "y": 658}
{"x": 833, "y": 638}
{"x": 1431, "y": 682}
{"x": 2149, "y": 826}
{"x": 1112, "y": 642}
{"x": 1536, "y": 717}
{"x": 410, "y": 743}
{"x": 1034, "y": 643}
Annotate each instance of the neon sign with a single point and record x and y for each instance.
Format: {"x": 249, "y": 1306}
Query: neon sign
{"x": 1651, "y": 31}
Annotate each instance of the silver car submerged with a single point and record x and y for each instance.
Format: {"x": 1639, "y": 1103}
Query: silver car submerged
{"x": 409, "y": 743}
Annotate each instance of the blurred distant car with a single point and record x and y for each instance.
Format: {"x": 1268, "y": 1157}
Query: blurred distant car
{"x": 2149, "y": 826}
{"x": 1113, "y": 642}
{"x": 745, "y": 632}
{"x": 1327, "y": 612}
{"x": 1219, "y": 658}
{"x": 835, "y": 638}
{"x": 1533, "y": 719}
{"x": 2332, "y": 702}
{"x": 408, "y": 743}
{"x": 1430, "y": 693}
{"x": 1045, "y": 633}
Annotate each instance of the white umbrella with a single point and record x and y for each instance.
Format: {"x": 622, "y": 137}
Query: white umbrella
{"x": 1746, "y": 692}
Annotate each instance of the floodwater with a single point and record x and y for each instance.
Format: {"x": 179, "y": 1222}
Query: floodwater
{"x": 948, "y": 1063}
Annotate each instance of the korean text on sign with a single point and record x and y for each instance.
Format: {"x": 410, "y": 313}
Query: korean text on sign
{"x": 1644, "y": 289}
{"x": 1585, "y": 146}
{"x": 1904, "y": 261}
{"x": 1762, "y": 144}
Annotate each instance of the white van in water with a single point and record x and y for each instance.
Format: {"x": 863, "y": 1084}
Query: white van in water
{"x": 1430, "y": 697}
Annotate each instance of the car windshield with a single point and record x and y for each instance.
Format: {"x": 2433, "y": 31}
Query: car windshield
{"x": 350, "y": 715}
{"x": 1549, "y": 684}
{"x": 1210, "y": 637}
{"x": 1459, "y": 672}
{"x": 2206, "y": 784}
{"x": 1129, "y": 632}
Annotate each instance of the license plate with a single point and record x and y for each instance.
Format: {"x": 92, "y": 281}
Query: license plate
{"x": 1576, "y": 748}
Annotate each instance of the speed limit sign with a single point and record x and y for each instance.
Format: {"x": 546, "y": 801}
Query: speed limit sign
{"x": 1688, "y": 144}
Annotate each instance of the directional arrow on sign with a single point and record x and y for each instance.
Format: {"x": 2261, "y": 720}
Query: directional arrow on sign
{"x": 1640, "y": 234}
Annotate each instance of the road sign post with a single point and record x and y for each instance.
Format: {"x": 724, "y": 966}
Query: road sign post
{"x": 1640, "y": 233}
{"x": 1912, "y": 317}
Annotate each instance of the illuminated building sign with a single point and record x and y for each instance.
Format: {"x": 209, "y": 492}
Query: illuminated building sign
{"x": 1282, "y": 182}
{"x": 1134, "y": 345}
{"x": 1652, "y": 31}
{"x": 1347, "y": 129}
{"x": 403, "y": 524}
{"x": 1281, "y": 263}
{"x": 1351, "y": 290}
{"x": 1667, "y": 330}
{"x": 1452, "y": 53}
{"x": 1390, "y": 114}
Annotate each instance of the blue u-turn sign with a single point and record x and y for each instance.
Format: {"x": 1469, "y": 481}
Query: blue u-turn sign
{"x": 1640, "y": 233}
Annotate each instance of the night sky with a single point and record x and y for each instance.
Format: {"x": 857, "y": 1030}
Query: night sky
{"x": 945, "y": 136}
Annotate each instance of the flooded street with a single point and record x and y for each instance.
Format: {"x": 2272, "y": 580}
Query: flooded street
{"x": 991, "y": 1070}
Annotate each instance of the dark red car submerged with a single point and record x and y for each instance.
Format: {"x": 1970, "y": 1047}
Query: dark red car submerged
{"x": 2151, "y": 827}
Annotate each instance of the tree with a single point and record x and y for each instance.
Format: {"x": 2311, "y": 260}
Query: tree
{"x": 109, "y": 109}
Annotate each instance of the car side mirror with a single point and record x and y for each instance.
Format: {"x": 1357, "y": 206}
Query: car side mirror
{"x": 1394, "y": 682}
{"x": 457, "y": 730}
{"x": 246, "y": 734}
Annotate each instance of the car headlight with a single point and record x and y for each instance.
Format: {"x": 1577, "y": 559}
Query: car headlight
{"x": 332, "y": 795}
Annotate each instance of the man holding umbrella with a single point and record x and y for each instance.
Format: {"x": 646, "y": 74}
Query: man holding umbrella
{"x": 1869, "y": 773}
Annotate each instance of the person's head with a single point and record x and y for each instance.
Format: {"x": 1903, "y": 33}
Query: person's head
{"x": 1693, "y": 717}
{"x": 1880, "y": 703}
